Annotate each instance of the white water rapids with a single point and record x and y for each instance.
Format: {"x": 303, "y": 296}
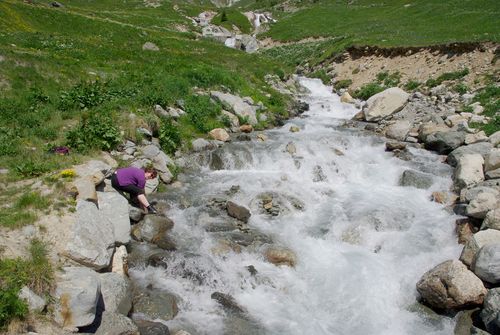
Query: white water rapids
{"x": 362, "y": 242}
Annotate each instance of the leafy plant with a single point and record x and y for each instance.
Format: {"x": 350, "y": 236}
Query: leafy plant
{"x": 95, "y": 131}
{"x": 32, "y": 167}
{"x": 368, "y": 90}
{"x": 411, "y": 85}
{"x": 345, "y": 83}
{"x": 460, "y": 88}
{"x": 203, "y": 112}
{"x": 447, "y": 76}
{"x": 321, "y": 74}
{"x": 169, "y": 136}
{"x": 389, "y": 79}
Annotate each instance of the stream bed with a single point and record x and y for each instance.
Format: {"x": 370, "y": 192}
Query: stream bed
{"x": 330, "y": 194}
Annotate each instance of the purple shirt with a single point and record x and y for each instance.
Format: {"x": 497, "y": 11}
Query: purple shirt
{"x": 131, "y": 176}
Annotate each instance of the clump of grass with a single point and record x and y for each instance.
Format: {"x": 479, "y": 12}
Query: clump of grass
{"x": 35, "y": 272}
{"x": 489, "y": 97}
{"x": 460, "y": 88}
{"x": 22, "y": 212}
{"x": 366, "y": 91}
{"x": 345, "y": 83}
{"x": 321, "y": 74}
{"x": 447, "y": 76}
{"x": 389, "y": 79}
{"x": 169, "y": 136}
{"x": 203, "y": 113}
{"x": 412, "y": 85}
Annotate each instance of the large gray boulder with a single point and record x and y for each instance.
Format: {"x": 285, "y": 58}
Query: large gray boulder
{"x": 482, "y": 204}
{"x": 451, "y": 285}
{"x": 487, "y": 263}
{"x": 478, "y": 240}
{"x": 416, "y": 179}
{"x": 116, "y": 288}
{"x": 492, "y": 220}
{"x": 201, "y": 144}
{"x": 384, "y": 104}
{"x": 116, "y": 324}
{"x": 156, "y": 304}
{"x": 492, "y": 160}
{"x": 491, "y": 311}
{"x": 249, "y": 43}
{"x": 77, "y": 293}
{"x": 398, "y": 130}
{"x": 469, "y": 170}
{"x": 152, "y": 228}
{"x": 444, "y": 142}
{"x": 237, "y": 105}
{"x": 429, "y": 128}
{"x": 114, "y": 207}
{"x": 91, "y": 240}
{"x": 481, "y": 148}
{"x": 494, "y": 139}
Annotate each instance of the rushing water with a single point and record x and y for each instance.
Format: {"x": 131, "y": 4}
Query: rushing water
{"x": 362, "y": 241}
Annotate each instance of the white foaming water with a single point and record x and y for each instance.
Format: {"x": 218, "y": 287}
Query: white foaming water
{"x": 362, "y": 242}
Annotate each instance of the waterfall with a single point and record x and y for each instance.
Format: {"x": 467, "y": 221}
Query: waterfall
{"x": 361, "y": 241}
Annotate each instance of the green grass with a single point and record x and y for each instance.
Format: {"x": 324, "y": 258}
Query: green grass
{"x": 21, "y": 211}
{"x": 63, "y": 66}
{"x": 35, "y": 272}
{"x": 229, "y": 17}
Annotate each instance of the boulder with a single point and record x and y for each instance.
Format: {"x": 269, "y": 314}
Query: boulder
{"x": 249, "y": 43}
{"x": 116, "y": 324}
{"x": 233, "y": 119}
{"x": 487, "y": 263}
{"x": 85, "y": 189}
{"x": 478, "y": 240}
{"x": 469, "y": 170}
{"x": 120, "y": 261}
{"x": 492, "y": 220}
{"x": 150, "y": 46}
{"x": 150, "y": 151}
{"x": 91, "y": 240}
{"x": 114, "y": 208}
{"x": 151, "y": 328}
{"x": 481, "y": 148}
{"x": 77, "y": 293}
{"x": 36, "y": 304}
{"x": 429, "y": 128}
{"x": 219, "y": 134}
{"x": 239, "y": 212}
{"x": 450, "y": 285}
{"x": 217, "y": 33}
{"x": 201, "y": 144}
{"x": 481, "y": 205}
{"x": 115, "y": 289}
{"x": 465, "y": 230}
{"x": 385, "y": 103}
{"x": 398, "y": 130}
{"x": 294, "y": 129}
{"x": 237, "y": 105}
{"x": 392, "y": 146}
{"x": 474, "y": 138}
{"x": 492, "y": 160}
{"x": 156, "y": 304}
{"x": 416, "y": 179}
{"x": 228, "y": 302}
{"x": 469, "y": 194}
{"x": 346, "y": 98}
{"x": 494, "y": 139}
{"x": 95, "y": 169}
{"x": 493, "y": 174}
{"x": 246, "y": 128}
{"x": 291, "y": 149}
{"x": 490, "y": 314}
{"x": 152, "y": 228}
{"x": 280, "y": 256}
{"x": 135, "y": 214}
{"x": 444, "y": 142}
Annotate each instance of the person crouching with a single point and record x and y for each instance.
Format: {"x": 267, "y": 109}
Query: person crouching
{"x": 132, "y": 180}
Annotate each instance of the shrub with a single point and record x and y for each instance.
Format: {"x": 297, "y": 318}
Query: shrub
{"x": 389, "y": 79}
{"x": 345, "y": 83}
{"x": 447, "y": 76}
{"x": 95, "y": 131}
{"x": 460, "y": 88}
{"x": 203, "y": 113}
{"x": 32, "y": 167}
{"x": 169, "y": 136}
{"x": 83, "y": 95}
{"x": 411, "y": 85}
{"x": 368, "y": 90}
{"x": 321, "y": 74}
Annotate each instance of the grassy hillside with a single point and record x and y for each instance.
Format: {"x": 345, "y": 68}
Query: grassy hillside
{"x": 83, "y": 66}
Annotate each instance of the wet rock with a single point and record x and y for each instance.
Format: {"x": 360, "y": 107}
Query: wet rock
{"x": 116, "y": 324}
{"x": 141, "y": 254}
{"x": 115, "y": 289}
{"x": 77, "y": 293}
{"x": 36, "y": 304}
{"x": 216, "y": 162}
{"x": 444, "y": 142}
{"x": 491, "y": 311}
{"x": 243, "y": 138}
{"x": 416, "y": 179}
{"x": 224, "y": 247}
{"x": 385, "y": 103}
{"x": 152, "y": 228}
{"x": 487, "y": 263}
{"x": 465, "y": 230}
{"x": 227, "y": 302}
{"x": 156, "y": 304}
{"x": 201, "y": 144}
{"x": 469, "y": 170}
{"x": 152, "y": 328}
{"x": 482, "y": 148}
{"x": 291, "y": 149}
{"x": 135, "y": 214}
{"x": 492, "y": 220}
{"x": 318, "y": 174}
{"x": 166, "y": 242}
{"x": 219, "y": 134}
{"x": 294, "y": 129}
{"x": 391, "y": 146}
{"x": 478, "y": 240}
{"x": 346, "y": 98}
{"x": 451, "y": 285}
{"x": 465, "y": 321}
{"x": 443, "y": 197}
{"x": 246, "y": 128}
{"x": 262, "y": 137}
{"x": 239, "y": 212}
{"x": 280, "y": 256}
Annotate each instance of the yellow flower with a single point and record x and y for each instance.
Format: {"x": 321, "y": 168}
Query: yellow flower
{"x": 68, "y": 173}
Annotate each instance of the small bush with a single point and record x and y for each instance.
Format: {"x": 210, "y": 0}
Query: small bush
{"x": 389, "y": 79}
{"x": 203, "y": 113}
{"x": 411, "y": 85}
{"x": 345, "y": 83}
{"x": 447, "y": 76}
{"x": 321, "y": 74}
{"x": 32, "y": 167}
{"x": 96, "y": 131}
{"x": 368, "y": 90}
{"x": 460, "y": 88}
{"x": 169, "y": 136}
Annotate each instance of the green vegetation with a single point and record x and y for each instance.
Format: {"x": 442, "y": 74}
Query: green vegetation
{"x": 169, "y": 136}
{"x": 411, "y": 85}
{"x": 23, "y": 210}
{"x": 345, "y": 83}
{"x": 74, "y": 75}
{"x": 321, "y": 74}
{"x": 228, "y": 18}
{"x": 384, "y": 80}
{"x": 447, "y": 76}
{"x": 489, "y": 97}
{"x": 36, "y": 273}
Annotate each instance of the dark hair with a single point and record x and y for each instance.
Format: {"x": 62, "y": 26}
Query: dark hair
{"x": 152, "y": 171}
